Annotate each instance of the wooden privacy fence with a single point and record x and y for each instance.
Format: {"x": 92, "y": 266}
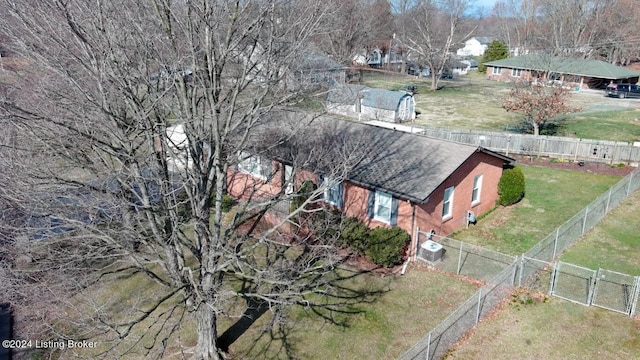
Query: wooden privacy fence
{"x": 541, "y": 145}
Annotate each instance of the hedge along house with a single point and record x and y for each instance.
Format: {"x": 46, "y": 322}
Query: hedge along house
{"x": 572, "y": 73}
{"x": 363, "y": 102}
{"x": 392, "y": 178}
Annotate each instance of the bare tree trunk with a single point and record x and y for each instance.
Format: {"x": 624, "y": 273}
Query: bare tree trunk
{"x": 207, "y": 347}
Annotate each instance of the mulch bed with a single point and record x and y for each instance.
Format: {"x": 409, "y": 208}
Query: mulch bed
{"x": 589, "y": 167}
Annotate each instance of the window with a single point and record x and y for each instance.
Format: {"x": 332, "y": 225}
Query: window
{"x": 516, "y": 72}
{"x": 447, "y": 203}
{"x": 497, "y": 70}
{"x": 383, "y": 207}
{"x": 254, "y": 165}
{"x": 333, "y": 193}
{"x": 477, "y": 185}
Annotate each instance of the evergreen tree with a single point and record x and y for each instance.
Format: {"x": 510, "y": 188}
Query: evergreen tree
{"x": 497, "y": 50}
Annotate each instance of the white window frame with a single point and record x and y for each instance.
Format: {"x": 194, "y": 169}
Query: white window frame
{"x": 476, "y": 192}
{"x": 447, "y": 202}
{"x": 516, "y": 72}
{"x": 497, "y": 70}
{"x": 332, "y": 192}
{"x": 382, "y": 200}
{"x": 253, "y": 165}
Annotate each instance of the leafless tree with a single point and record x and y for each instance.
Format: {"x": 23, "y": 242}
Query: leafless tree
{"x": 584, "y": 28}
{"x": 436, "y": 30}
{"x": 352, "y": 25}
{"x": 97, "y": 197}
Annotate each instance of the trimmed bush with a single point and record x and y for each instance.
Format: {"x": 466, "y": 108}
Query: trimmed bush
{"x": 386, "y": 246}
{"x": 227, "y": 202}
{"x": 511, "y": 187}
{"x": 355, "y": 235}
{"x": 304, "y": 192}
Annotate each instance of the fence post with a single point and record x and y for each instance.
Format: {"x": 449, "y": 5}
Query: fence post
{"x": 478, "y": 308}
{"x": 515, "y": 271}
{"x": 584, "y": 222}
{"x": 555, "y": 243}
{"x": 428, "y": 346}
{"x": 552, "y": 279}
{"x": 521, "y": 270}
{"x": 459, "y": 259}
{"x": 635, "y": 297}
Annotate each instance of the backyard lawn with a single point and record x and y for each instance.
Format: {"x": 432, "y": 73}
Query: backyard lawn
{"x": 614, "y": 244}
{"x": 552, "y": 197}
{"x": 473, "y": 102}
{"x": 551, "y": 329}
{"x": 415, "y": 303}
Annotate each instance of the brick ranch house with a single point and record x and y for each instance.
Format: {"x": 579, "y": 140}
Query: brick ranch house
{"x": 394, "y": 178}
{"x": 572, "y": 73}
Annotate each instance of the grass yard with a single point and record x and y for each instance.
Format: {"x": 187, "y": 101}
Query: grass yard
{"x": 472, "y": 102}
{"x": 552, "y": 197}
{"x": 551, "y": 329}
{"x": 414, "y": 304}
{"x": 618, "y": 125}
{"x": 411, "y": 305}
{"x": 614, "y": 244}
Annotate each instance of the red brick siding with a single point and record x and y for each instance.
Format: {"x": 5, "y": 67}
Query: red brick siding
{"x": 428, "y": 216}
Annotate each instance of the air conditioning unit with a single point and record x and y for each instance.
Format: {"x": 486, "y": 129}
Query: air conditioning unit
{"x": 431, "y": 251}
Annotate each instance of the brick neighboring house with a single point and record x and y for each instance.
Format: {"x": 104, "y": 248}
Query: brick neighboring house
{"x": 394, "y": 178}
{"x": 569, "y": 72}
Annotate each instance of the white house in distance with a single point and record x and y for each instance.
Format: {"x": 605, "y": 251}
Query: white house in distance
{"x": 476, "y": 46}
{"x": 367, "y": 103}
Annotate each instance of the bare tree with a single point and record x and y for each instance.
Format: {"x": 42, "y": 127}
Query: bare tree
{"x": 584, "y": 28}
{"x": 352, "y": 26}
{"x": 100, "y": 197}
{"x": 436, "y": 30}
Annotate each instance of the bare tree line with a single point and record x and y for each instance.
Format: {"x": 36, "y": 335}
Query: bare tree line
{"x": 594, "y": 29}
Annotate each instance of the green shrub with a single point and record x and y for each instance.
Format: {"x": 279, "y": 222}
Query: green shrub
{"x": 227, "y": 202}
{"x": 355, "y": 235}
{"x": 386, "y": 246}
{"x": 304, "y": 192}
{"x": 511, "y": 187}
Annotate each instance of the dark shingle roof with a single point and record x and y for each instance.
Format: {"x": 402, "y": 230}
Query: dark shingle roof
{"x": 484, "y": 40}
{"x": 345, "y": 94}
{"x": 581, "y": 67}
{"x": 406, "y": 165}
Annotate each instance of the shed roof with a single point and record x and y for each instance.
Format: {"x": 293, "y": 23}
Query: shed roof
{"x": 409, "y": 166}
{"x": 563, "y": 65}
{"x": 371, "y": 97}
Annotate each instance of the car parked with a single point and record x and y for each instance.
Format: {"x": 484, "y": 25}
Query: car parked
{"x": 623, "y": 91}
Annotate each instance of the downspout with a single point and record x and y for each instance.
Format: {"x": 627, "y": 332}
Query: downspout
{"x": 413, "y": 246}
{"x": 414, "y": 237}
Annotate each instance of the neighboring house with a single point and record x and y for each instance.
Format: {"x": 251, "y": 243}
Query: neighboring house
{"x": 476, "y": 46}
{"x": 471, "y": 64}
{"x": 569, "y": 72}
{"x": 396, "y": 179}
{"x": 372, "y": 104}
{"x": 387, "y": 54}
{"x": 315, "y": 69}
{"x": 458, "y": 67}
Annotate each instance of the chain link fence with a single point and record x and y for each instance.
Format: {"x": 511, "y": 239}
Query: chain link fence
{"x": 468, "y": 259}
{"x": 537, "y": 270}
